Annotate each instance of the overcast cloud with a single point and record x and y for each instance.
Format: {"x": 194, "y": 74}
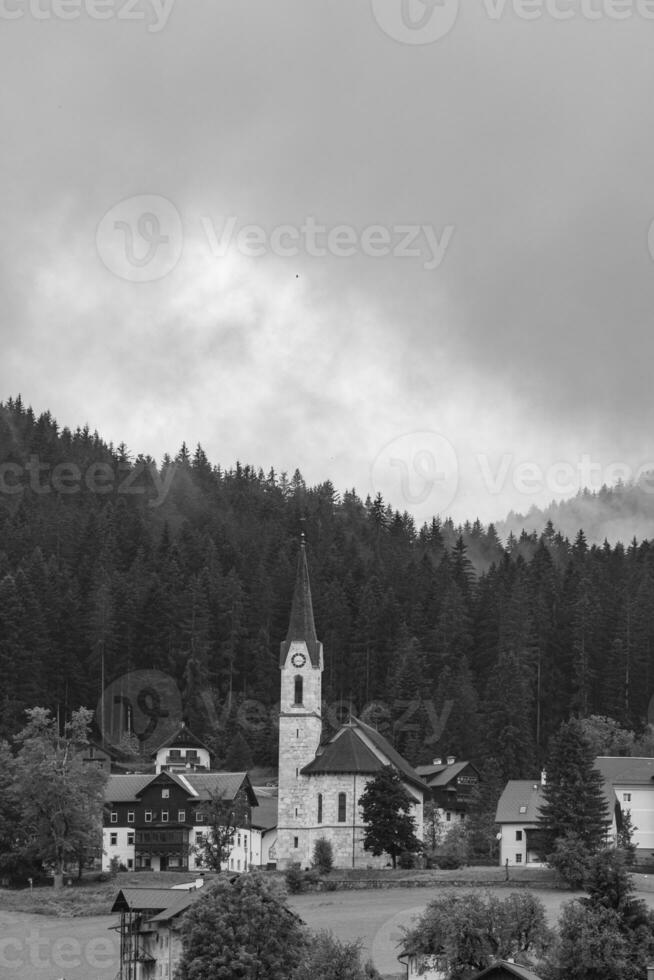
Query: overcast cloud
{"x": 512, "y": 159}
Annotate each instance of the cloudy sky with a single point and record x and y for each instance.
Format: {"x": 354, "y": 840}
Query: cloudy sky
{"x": 399, "y": 245}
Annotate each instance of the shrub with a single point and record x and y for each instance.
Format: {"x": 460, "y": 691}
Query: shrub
{"x": 294, "y": 879}
{"x": 323, "y": 856}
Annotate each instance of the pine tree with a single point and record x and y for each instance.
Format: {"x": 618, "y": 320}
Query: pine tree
{"x": 386, "y": 805}
{"x": 573, "y": 792}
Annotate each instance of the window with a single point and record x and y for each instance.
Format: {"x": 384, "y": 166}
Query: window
{"x": 238, "y": 864}
{"x": 114, "y": 816}
{"x": 523, "y": 808}
{"x": 518, "y": 859}
{"x": 448, "y": 817}
{"x": 165, "y": 794}
{"x": 113, "y": 840}
{"x": 181, "y": 816}
{"x": 130, "y": 816}
{"x": 148, "y": 816}
{"x": 298, "y": 690}
{"x": 199, "y": 817}
{"x": 199, "y": 837}
{"x": 238, "y": 840}
{"x": 626, "y": 797}
{"x": 245, "y": 842}
{"x": 130, "y": 864}
{"x": 518, "y": 835}
{"x": 164, "y": 816}
{"x": 319, "y": 807}
{"x": 341, "y": 807}
{"x": 296, "y": 842}
{"x": 130, "y": 839}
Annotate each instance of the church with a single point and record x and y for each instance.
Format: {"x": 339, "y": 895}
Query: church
{"x": 320, "y": 784}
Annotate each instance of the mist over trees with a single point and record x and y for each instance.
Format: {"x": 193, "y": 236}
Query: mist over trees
{"x": 446, "y": 639}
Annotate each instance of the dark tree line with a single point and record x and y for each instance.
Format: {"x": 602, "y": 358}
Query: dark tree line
{"x": 448, "y": 640}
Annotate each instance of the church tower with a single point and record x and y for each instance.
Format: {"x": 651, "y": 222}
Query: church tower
{"x": 300, "y": 723}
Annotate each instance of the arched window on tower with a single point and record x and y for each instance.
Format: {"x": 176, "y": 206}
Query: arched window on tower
{"x": 298, "y": 690}
{"x": 341, "y": 807}
{"x": 319, "y": 807}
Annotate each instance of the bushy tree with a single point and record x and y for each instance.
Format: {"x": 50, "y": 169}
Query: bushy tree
{"x": 241, "y": 929}
{"x": 60, "y": 797}
{"x": 386, "y": 806}
{"x": 323, "y": 856}
{"x": 329, "y": 959}
{"x": 222, "y": 817}
{"x": 473, "y": 930}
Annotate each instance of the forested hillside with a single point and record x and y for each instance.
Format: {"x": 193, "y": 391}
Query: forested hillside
{"x": 188, "y": 568}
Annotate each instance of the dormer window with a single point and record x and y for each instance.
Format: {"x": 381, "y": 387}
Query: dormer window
{"x": 298, "y": 690}
{"x": 165, "y": 793}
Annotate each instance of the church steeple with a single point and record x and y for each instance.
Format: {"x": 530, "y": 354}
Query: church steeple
{"x": 301, "y": 627}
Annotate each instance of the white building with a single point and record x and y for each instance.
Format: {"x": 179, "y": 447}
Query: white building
{"x": 517, "y": 816}
{"x": 629, "y": 787}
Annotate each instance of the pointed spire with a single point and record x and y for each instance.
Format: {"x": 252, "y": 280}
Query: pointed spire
{"x": 301, "y": 626}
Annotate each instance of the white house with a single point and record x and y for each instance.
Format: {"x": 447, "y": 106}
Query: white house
{"x": 517, "y": 816}
{"x": 629, "y": 787}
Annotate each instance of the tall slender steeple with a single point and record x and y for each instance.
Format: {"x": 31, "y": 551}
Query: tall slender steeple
{"x": 301, "y": 627}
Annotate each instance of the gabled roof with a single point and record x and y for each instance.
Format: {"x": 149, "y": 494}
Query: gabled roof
{"x": 513, "y": 969}
{"x": 197, "y": 785}
{"x": 183, "y": 738}
{"x": 441, "y": 775}
{"x": 519, "y": 793}
{"x": 349, "y": 752}
{"x": 165, "y": 903}
{"x": 301, "y": 626}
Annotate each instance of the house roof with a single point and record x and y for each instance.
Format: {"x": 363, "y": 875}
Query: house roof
{"x": 441, "y": 775}
{"x": 624, "y": 769}
{"x": 301, "y": 626}
{"x": 519, "y": 793}
{"x": 503, "y": 967}
{"x": 183, "y": 738}
{"x": 264, "y": 816}
{"x": 349, "y": 752}
{"x": 165, "y": 903}
{"x": 197, "y": 785}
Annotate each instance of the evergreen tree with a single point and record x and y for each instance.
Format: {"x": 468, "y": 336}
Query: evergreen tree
{"x": 386, "y": 805}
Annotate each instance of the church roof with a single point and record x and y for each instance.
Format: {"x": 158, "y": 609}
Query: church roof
{"x": 349, "y": 752}
{"x": 301, "y": 626}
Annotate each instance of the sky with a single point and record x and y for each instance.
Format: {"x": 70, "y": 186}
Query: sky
{"x": 402, "y": 245}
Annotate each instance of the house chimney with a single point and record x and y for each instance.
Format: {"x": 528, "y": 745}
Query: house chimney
{"x": 451, "y": 760}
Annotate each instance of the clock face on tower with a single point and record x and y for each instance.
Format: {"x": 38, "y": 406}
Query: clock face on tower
{"x": 298, "y": 660}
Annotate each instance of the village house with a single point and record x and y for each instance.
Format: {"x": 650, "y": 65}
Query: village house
{"x": 451, "y": 785}
{"x": 629, "y": 788}
{"x": 427, "y": 966}
{"x": 156, "y": 821}
{"x": 517, "y": 816}
{"x": 149, "y": 929}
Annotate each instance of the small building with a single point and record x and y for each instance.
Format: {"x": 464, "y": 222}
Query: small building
{"x": 506, "y": 970}
{"x": 149, "y": 929}
{"x": 182, "y": 752}
{"x": 517, "y": 816}
{"x": 451, "y": 785}
{"x": 264, "y": 823}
